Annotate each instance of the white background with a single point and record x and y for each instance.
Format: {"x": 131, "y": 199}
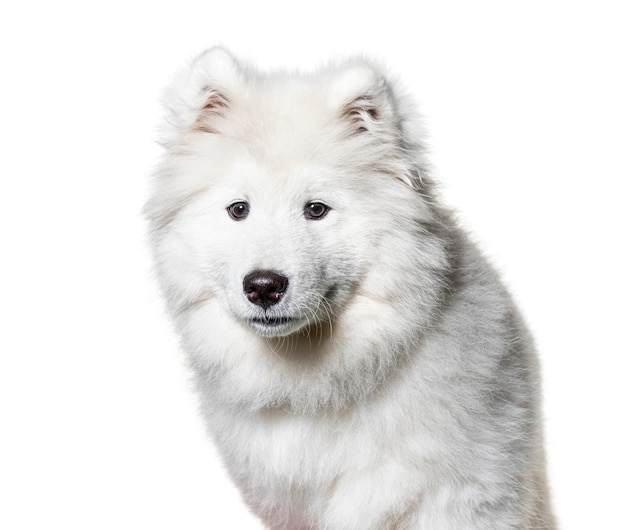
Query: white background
{"x": 525, "y": 104}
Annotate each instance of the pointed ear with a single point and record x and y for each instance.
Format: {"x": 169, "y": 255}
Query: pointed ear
{"x": 368, "y": 107}
{"x": 363, "y": 99}
{"x": 201, "y": 94}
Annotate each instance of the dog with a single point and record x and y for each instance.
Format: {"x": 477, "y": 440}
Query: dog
{"x": 359, "y": 363}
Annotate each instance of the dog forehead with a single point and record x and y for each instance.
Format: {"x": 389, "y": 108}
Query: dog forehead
{"x": 282, "y": 115}
{"x": 290, "y": 182}
{"x": 248, "y": 170}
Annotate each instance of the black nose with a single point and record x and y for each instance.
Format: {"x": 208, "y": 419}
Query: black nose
{"x": 264, "y": 288}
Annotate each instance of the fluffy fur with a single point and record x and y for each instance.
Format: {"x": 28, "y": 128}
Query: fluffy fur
{"x": 391, "y": 384}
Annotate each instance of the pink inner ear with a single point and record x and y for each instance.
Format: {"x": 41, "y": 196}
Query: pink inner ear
{"x": 214, "y": 106}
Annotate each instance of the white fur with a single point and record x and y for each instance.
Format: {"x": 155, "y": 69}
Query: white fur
{"x": 404, "y": 391}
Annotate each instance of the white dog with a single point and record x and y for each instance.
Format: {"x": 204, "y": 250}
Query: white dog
{"x": 359, "y": 362}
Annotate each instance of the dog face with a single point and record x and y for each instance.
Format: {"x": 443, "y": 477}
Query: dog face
{"x": 278, "y": 256}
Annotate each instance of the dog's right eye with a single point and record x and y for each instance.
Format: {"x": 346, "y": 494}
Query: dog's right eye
{"x": 238, "y": 210}
{"x": 315, "y": 210}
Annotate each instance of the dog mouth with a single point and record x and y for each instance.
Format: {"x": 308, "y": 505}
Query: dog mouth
{"x": 272, "y": 321}
{"x": 274, "y": 326}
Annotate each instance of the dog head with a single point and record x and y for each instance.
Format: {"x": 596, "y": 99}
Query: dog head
{"x": 292, "y": 206}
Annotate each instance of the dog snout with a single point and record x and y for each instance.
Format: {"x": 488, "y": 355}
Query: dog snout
{"x": 264, "y": 288}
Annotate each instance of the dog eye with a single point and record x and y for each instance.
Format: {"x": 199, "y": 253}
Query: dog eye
{"x": 238, "y": 210}
{"x": 316, "y": 210}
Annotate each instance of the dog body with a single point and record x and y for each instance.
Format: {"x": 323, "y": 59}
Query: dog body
{"x": 359, "y": 363}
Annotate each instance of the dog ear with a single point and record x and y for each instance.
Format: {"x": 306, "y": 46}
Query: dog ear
{"x": 369, "y": 109}
{"x": 217, "y": 74}
{"x": 363, "y": 99}
{"x": 201, "y": 94}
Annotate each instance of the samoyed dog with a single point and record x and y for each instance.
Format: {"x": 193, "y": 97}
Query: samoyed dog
{"x": 360, "y": 364}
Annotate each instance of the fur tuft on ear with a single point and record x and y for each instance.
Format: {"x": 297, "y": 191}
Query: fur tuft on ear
{"x": 362, "y": 113}
{"x": 215, "y": 105}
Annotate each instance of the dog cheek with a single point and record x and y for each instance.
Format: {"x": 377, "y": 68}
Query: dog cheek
{"x": 340, "y": 269}
{"x": 181, "y": 278}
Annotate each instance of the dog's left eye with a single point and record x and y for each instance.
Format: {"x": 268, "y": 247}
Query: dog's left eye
{"x": 316, "y": 210}
{"x": 238, "y": 210}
